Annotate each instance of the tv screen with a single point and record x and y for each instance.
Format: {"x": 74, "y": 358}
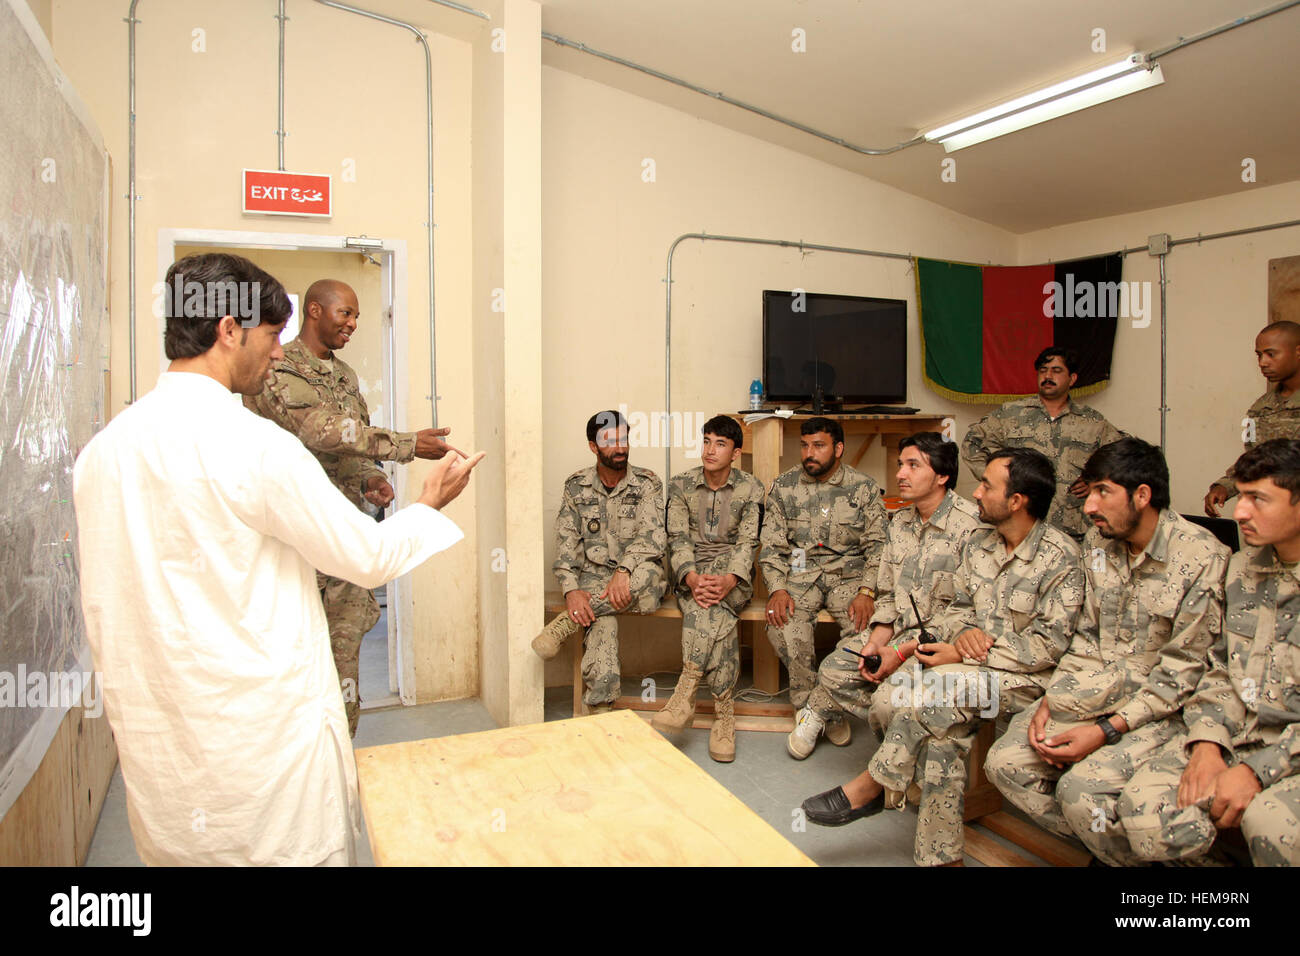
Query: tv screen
{"x": 854, "y": 347}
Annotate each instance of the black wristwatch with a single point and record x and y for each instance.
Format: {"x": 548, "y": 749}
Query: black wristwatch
{"x": 1108, "y": 729}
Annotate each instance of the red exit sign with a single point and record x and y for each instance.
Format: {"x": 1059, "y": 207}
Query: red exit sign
{"x": 273, "y": 193}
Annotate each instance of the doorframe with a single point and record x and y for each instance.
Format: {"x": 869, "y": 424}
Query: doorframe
{"x": 393, "y": 266}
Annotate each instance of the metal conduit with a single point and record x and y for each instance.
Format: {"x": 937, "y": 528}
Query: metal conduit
{"x": 818, "y": 247}
{"x": 280, "y": 131}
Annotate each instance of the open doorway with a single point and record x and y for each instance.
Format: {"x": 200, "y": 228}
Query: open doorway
{"x": 386, "y": 668}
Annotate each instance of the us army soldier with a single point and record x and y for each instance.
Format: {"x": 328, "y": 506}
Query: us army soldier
{"x": 922, "y": 550}
{"x": 1153, "y": 604}
{"x": 822, "y": 539}
{"x": 1017, "y": 593}
{"x": 1276, "y": 413}
{"x": 314, "y": 394}
{"x": 714, "y": 515}
{"x": 1066, "y": 432}
{"x": 609, "y": 544}
{"x": 1238, "y": 765}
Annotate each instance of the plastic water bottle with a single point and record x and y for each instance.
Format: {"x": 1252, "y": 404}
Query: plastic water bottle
{"x": 755, "y": 395}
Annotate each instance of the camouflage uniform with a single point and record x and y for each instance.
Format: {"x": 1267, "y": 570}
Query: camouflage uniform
{"x": 596, "y": 531}
{"x": 1273, "y": 417}
{"x": 1139, "y": 651}
{"x": 713, "y": 532}
{"x": 919, "y": 559}
{"x": 1028, "y": 602}
{"x": 322, "y": 404}
{"x": 838, "y": 526}
{"x": 1067, "y": 440}
{"x": 1249, "y": 704}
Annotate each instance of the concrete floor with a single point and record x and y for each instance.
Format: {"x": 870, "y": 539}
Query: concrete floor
{"x": 763, "y": 776}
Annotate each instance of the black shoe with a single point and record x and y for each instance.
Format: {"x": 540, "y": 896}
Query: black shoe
{"x": 832, "y": 809}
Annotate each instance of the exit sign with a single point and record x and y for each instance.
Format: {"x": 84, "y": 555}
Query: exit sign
{"x": 273, "y": 193}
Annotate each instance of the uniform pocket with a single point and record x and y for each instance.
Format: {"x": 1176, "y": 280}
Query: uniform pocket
{"x": 1022, "y": 605}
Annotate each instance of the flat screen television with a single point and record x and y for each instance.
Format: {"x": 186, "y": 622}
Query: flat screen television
{"x": 853, "y": 347}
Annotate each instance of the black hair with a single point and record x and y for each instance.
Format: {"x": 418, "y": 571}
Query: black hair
{"x": 1131, "y": 462}
{"x": 828, "y": 425}
{"x": 941, "y": 452}
{"x": 601, "y": 420}
{"x": 200, "y": 290}
{"x": 724, "y": 426}
{"x": 1278, "y": 459}
{"x": 1029, "y": 473}
{"x": 1068, "y": 356}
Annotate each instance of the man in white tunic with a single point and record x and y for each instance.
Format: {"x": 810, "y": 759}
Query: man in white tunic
{"x": 200, "y": 527}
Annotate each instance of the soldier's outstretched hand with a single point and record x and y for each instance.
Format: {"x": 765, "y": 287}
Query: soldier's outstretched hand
{"x": 429, "y": 444}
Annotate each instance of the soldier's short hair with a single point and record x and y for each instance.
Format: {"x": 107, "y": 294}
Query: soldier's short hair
{"x": 724, "y": 426}
{"x": 942, "y": 454}
{"x": 1068, "y": 356}
{"x": 1278, "y": 459}
{"x": 1129, "y": 463}
{"x": 1290, "y": 329}
{"x": 828, "y": 425}
{"x": 214, "y": 285}
{"x": 1029, "y": 473}
{"x": 601, "y": 420}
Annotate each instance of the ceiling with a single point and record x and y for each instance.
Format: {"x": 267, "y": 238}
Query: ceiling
{"x": 877, "y": 73}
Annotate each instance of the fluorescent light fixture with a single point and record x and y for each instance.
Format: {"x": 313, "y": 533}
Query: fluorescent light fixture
{"x": 1110, "y": 82}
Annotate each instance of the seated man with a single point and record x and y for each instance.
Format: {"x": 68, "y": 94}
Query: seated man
{"x": 922, "y": 550}
{"x": 609, "y": 542}
{"x": 1017, "y": 594}
{"x": 822, "y": 539}
{"x": 714, "y": 514}
{"x": 1238, "y": 765}
{"x": 1153, "y": 602}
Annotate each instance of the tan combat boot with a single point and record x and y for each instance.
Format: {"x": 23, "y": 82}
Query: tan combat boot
{"x": 680, "y": 710}
{"x": 548, "y": 643}
{"x": 722, "y": 736}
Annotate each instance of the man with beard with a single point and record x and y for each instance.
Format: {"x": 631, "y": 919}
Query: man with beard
{"x": 315, "y": 395}
{"x": 1276, "y": 413}
{"x": 1016, "y": 596}
{"x": 714, "y": 514}
{"x": 921, "y": 554}
{"x": 609, "y": 543}
{"x": 1153, "y": 606}
{"x": 1237, "y": 765}
{"x": 822, "y": 540}
{"x": 1066, "y": 432}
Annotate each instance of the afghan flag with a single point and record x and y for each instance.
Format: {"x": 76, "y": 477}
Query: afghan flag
{"x": 983, "y": 326}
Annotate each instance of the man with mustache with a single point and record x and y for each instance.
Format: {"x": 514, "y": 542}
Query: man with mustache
{"x": 1066, "y": 432}
{"x": 1276, "y": 413}
{"x": 714, "y": 515}
{"x": 1238, "y": 763}
{"x": 314, "y": 394}
{"x": 609, "y": 543}
{"x": 1153, "y": 606}
{"x": 822, "y": 540}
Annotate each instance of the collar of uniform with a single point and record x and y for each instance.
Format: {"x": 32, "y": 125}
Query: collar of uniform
{"x": 298, "y": 353}
{"x": 701, "y": 483}
{"x": 835, "y": 479}
{"x": 1027, "y": 549}
{"x": 1276, "y": 399}
{"x": 629, "y": 480}
{"x": 1264, "y": 560}
{"x": 1037, "y": 402}
{"x": 1157, "y": 548}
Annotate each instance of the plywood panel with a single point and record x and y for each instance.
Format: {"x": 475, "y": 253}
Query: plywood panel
{"x": 38, "y": 829}
{"x": 94, "y": 755}
{"x": 591, "y": 791}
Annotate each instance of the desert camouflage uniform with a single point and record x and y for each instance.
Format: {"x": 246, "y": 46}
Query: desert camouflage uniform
{"x": 1249, "y": 704}
{"x": 713, "y": 532}
{"x": 919, "y": 559}
{"x": 1068, "y": 440}
{"x": 1028, "y": 601}
{"x": 1138, "y": 652}
{"x": 323, "y": 406}
{"x": 1273, "y": 417}
{"x": 822, "y": 540}
{"x": 596, "y": 531}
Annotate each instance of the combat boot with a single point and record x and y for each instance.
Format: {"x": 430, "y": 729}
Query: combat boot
{"x": 680, "y": 710}
{"x": 839, "y": 732}
{"x": 722, "y": 735}
{"x": 548, "y": 643}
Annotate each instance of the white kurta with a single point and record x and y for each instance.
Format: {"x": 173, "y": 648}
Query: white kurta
{"x": 201, "y": 526}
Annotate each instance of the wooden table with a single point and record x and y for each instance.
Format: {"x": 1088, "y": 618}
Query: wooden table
{"x": 592, "y": 791}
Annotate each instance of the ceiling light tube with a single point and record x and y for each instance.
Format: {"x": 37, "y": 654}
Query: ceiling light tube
{"x": 1119, "y": 79}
